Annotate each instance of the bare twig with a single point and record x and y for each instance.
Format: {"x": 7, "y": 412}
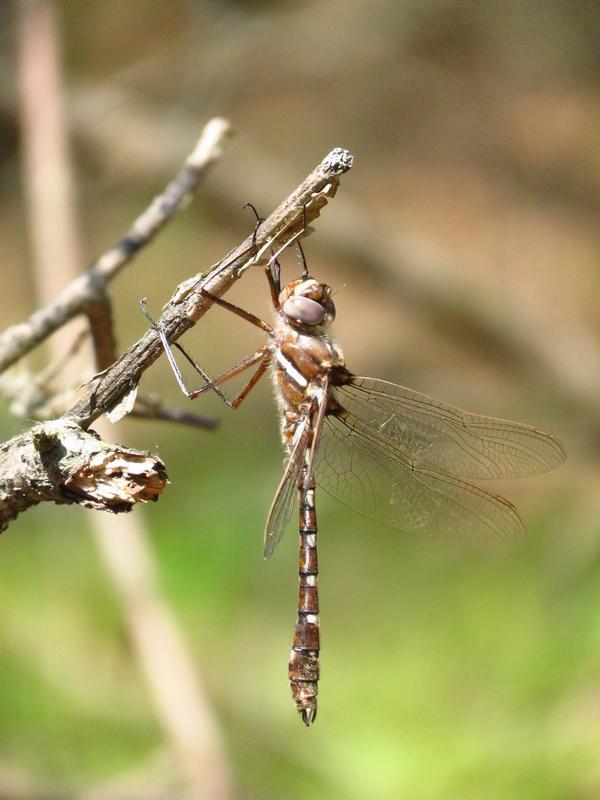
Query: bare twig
{"x": 89, "y": 288}
{"x": 100, "y": 319}
{"x": 149, "y": 408}
{"x": 36, "y": 396}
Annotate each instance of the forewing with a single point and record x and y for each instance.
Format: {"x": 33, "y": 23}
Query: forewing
{"x": 431, "y": 434}
{"x": 369, "y": 473}
{"x": 283, "y": 502}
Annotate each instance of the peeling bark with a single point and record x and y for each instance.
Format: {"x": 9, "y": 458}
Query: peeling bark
{"x": 60, "y": 462}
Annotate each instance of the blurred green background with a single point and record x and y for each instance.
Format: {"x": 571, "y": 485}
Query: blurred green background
{"x": 449, "y": 670}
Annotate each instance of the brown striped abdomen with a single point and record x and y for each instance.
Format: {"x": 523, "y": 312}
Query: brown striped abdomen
{"x": 303, "y": 668}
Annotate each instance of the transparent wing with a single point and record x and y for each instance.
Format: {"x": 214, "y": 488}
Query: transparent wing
{"x": 434, "y": 435}
{"x": 369, "y": 473}
{"x": 283, "y": 502}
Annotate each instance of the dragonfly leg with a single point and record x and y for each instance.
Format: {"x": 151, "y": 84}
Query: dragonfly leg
{"x": 259, "y": 220}
{"x": 273, "y": 273}
{"x": 273, "y": 268}
{"x": 260, "y": 356}
{"x": 304, "y": 274}
{"x": 262, "y": 367}
{"x": 240, "y": 312}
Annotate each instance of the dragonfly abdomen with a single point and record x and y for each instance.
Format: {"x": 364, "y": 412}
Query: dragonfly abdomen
{"x": 303, "y": 667}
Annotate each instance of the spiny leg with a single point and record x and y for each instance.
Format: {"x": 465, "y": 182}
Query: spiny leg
{"x": 273, "y": 268}
{"x": 170, "y": 357}
{"x": 240, "y": 312}
{"x": 304, "y": 274}
{"x": 259, "y": 323}
{"x": 275, "y": 283}
{"x": 261, "y": 356}
{"x": 262, "y": 367}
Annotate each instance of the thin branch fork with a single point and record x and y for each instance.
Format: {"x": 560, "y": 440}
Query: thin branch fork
{"x": 87, "y": 294}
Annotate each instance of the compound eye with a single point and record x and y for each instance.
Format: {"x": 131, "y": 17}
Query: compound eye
{"x": 304, "y": 310}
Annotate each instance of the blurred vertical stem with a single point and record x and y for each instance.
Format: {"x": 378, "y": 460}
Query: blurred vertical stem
{"x": 180, "y": 701}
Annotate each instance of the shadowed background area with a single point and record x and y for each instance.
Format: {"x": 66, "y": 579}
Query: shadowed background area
{"x": 464, "y": 254}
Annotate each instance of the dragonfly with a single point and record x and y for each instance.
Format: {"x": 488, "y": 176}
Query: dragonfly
{"x": 390, "y": 453}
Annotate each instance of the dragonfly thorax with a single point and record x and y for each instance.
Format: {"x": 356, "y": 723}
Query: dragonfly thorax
{"x": 307, "y": 303}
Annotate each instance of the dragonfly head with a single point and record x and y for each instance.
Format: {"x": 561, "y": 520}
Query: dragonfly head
{"x": 307, "y": 303}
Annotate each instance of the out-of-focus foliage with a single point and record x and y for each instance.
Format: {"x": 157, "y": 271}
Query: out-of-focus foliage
{"x": 448, "y": 671}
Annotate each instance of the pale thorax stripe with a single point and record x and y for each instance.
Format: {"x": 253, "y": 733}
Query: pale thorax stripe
{"x": 290, "y": 370}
